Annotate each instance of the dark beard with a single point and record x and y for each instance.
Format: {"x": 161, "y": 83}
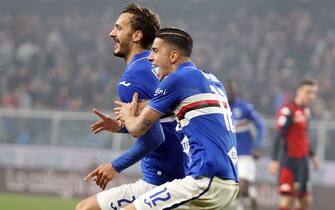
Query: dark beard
{"x": 119, "y": 54}
{"x": 124, "y": 48}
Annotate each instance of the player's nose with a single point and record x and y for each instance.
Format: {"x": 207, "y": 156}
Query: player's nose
{"x": 112, "y": 33}
{"x": 151, "y": 57}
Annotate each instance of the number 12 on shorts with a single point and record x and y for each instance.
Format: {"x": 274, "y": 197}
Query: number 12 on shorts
{"x": 162, "y": 196}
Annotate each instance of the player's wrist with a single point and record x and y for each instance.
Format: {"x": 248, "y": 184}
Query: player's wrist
{"x": 115, "y": 166}
{"x": 117, "y": 128}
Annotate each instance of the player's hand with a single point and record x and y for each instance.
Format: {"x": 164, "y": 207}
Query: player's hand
{"x": 105, "y": 123}
{"x": 315, "y": 163}
{"x": 256, "y": 153}
{"x": 140, "y": 107}
{"x": 102, "y": 175}
{"x": 273, "y": 167}
{"x": 126, "y": 110}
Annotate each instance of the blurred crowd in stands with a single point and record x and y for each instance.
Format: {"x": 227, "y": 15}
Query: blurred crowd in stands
{"x": 63, "y": 60}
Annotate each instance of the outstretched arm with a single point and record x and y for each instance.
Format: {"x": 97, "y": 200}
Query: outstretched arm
{"x": 105, "y": 123}
{"x": 141, "y": 148}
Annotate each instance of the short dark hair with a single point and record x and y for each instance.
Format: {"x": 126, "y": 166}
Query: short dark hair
{"x": 307, "y": 81}
{"x": 144, "y": 20}
{"x": 179, "y": 38}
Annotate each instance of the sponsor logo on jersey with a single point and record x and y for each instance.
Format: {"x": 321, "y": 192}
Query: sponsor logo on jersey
{"x": 160, "y": 92}
{"x": 124, "y": 83}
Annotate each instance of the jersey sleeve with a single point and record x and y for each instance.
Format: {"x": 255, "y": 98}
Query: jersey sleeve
{"x": 141, "y": 148}
{"x": 255, "y": 118}
{"x": 166, "y": 96}
{"x": 128, "y": 94}
{"x": 283, "y": 118}
{"x": 283, "y": 122}
{"x": 141, "y": 80}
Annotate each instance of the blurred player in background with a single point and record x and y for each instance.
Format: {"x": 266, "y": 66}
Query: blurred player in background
{"x": 162, "y": 161}
{"x": 199, "y": 101}
{"x": 292, "y": 138}
{"x": 248, "y": 146}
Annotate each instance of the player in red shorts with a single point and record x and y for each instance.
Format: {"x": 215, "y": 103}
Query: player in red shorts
{"x": 292, "y": 139}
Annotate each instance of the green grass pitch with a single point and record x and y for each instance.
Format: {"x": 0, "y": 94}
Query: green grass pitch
{"x": 33, "y": 202}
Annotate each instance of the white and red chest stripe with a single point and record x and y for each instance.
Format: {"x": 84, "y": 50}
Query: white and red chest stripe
{"x": 200, "y": 104}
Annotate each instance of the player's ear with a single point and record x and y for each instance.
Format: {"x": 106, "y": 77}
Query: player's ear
{"x": 174, "y": 56}
{"x": 137, "y": 36}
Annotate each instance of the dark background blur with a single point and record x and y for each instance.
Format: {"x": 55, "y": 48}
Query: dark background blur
{"x": 57, "y": 54}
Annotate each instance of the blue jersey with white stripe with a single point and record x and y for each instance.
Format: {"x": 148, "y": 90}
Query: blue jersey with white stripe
{"x": 200, "y": 103}
{"x": 166, "y": 162}
{"x": 245, "y": 115}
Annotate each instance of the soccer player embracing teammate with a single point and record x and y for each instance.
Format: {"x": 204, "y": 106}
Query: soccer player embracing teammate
{"x": 159, "y": 149}
{"x": 200, "y": 103}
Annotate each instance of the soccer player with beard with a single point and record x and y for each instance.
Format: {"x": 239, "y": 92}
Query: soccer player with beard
{"x": 162, "y": 161}
{"x": 292, "y": 139}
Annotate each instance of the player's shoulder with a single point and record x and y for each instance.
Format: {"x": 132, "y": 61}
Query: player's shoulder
{"x": 143, "y": 66}
{"x": 174, "y": 77}
{"x": 143, "y": 70}
{"x": 286, "y": 109}
{"x": 211, "y": 77}
{"x": 244, "y": 103}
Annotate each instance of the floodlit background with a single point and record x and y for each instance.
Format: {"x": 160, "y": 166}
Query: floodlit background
{"x": 56, "y": 63}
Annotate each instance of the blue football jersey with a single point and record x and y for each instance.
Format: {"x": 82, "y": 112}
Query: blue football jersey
{"x": 166, "y": 162}
{"x": 244, "y": 115}
{"x": 200, "y": 103}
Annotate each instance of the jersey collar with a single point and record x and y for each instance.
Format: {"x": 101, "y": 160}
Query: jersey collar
{"x": 186, "y": 65}
{"x": 140, "y": 56}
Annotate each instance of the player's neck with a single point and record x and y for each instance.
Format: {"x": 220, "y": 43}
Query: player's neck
{"x": 180, "y": 61}
{"x": 133, "y": 51}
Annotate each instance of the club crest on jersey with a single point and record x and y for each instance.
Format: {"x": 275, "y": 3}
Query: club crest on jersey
{"x": 237, "y": 113}
{"x": 233, "y": 155}
{"x": 299, "y": 117}
{"x": 186, "y": 145}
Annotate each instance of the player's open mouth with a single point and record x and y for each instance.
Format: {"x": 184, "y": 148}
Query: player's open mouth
{"x": 117, "y": 43}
